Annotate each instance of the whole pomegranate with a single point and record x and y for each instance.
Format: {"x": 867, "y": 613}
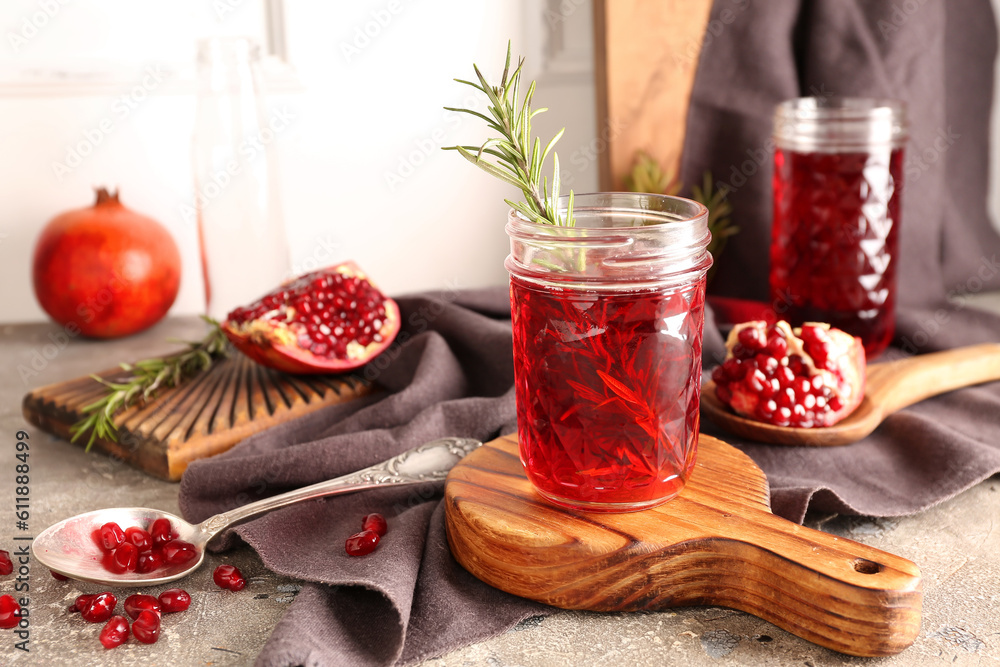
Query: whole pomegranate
{"x": 106, "y": 269}
{"x": 805, "y": 377}
{"x": 332, "y": 320}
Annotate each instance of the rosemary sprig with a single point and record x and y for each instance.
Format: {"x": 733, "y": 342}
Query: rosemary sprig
{"x": 648, "y": 176}
{"x": 146, "y": 377}
{"x": 518, "y": 159}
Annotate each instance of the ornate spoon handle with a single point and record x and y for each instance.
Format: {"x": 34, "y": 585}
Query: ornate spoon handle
{"x": 426, "y": 463}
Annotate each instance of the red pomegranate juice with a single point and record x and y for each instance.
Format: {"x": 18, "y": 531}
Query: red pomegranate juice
{"x": 834, "y": 240}
{"x": 607, "y": 387}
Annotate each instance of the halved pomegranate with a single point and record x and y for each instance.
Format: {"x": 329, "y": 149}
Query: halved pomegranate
{"x": 329, "y": 321}
{"x": 810, "y": 376}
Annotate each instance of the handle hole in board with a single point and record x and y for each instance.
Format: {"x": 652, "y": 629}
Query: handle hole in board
{"x": 865, "y": 566}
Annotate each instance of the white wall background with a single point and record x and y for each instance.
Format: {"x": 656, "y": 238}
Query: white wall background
{"x": 364, "y": 105}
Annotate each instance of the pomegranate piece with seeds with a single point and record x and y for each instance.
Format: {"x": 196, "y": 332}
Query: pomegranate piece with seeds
{"x": 174, "y": 600}
{"x": 375, "y": 522}
{"x": 146, "y": 627}
{"x": 135, "y": 604}
{"x": 10, "y": 612}
{"x": 115, "y": 633}
{"x": 99, "y": 608}
{"x": 812, "y": 376}
{"x": 329, "y": 321}
{"x": 229, "y": 577}
{"x": 361, "y": 544}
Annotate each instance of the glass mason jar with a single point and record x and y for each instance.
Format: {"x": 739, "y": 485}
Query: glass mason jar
{"x": 608, "y": 318}
{"x": 244, "y": 249}
{"x": 838, "y": 178}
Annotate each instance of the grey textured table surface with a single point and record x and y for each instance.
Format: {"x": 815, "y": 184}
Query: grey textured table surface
{"x": 956, "y": 545}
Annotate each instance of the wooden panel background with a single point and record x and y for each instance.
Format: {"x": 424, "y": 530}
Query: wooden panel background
{"x": 646, "y": 53}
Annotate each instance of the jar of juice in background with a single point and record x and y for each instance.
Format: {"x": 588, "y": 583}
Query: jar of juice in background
{"x": 607, "y": 321}
{"x": 838, "y": 178}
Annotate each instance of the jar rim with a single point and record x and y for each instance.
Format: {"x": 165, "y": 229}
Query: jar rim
{"x": 658, "y": 209}
{"x": 839, "y": 123}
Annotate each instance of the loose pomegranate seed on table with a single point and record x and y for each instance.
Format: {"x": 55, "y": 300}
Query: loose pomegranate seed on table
{"x": 82, "y": 602}
{"x": 6, "y": 564}
{"x": 57, "y": 576}
{"x": 100, "y": 608}
{"x": 10, "y": 612}
{"x": 146, "y": 627}
{"x": 361, "y": 544}
{"x": 229, "y": 577}
{"x": 115, "y": 633}
{"x": 134, "y": 604}
{"x": 375, "y": 522}
{"x": 174, "y": 599}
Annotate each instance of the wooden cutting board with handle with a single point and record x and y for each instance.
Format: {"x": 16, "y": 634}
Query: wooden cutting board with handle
{"x": 717, "y": 543}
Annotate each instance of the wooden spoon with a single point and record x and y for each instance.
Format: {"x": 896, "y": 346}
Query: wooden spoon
{"x": 891, "y": 386}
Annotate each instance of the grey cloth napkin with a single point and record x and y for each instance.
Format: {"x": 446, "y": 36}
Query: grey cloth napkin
{"x": 450, "y": 372}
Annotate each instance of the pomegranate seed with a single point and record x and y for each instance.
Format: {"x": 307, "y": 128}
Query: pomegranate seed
{"x": 82, "y": 602}
{"x": 719, "y": 375}
{"x": 140, "y": 538}
{"x": 777, "y": 347}
{"x": 6, "y": 564}
{"x": 126, "y": 557}
{"x": 361, "y": 544}
{"x": 137, "y": 603}
{"x": 115, "y": 633}
{"x": 752, "y": 339}
{"x": 57, "y": 576}
{"x": 229, "y": 577}
{"x": 149, "y": 561}
{"x": 176, "y": 552}
{"x": 375, "y": 522}
{"x": 146, "y": 627}
{"x": 174, "y": 600}
{"x": 161, "y": 532}
{"x": 112, "y": 535}
{"x": 10, "y": 612}
{"x": 100, "y": 608}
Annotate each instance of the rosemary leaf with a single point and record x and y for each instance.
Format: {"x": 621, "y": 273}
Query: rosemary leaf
{"x": 145, "y": 378}
{"x": 514, "y": 157}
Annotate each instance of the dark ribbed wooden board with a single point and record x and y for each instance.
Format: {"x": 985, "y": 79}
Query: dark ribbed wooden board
{"x": 717, "y": 543}
{"x": 206, "y": 415}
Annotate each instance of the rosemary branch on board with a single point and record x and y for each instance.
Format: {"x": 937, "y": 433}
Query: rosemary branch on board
{"x": 146, "y": 377}
{"x": 518, "y": 159}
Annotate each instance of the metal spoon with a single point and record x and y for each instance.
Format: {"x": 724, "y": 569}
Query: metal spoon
{"x": 68, "y": 548}
{"x": 890, "y": 387}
